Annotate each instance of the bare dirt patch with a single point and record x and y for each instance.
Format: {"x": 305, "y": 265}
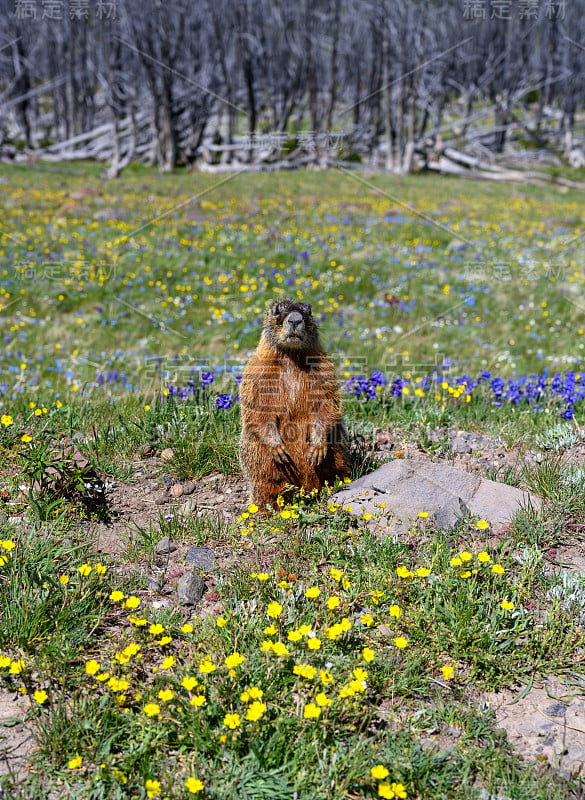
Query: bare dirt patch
{"x": 16, "y": 738}
{"x": 137, "y": 505}
{"x": 546, "y": 724}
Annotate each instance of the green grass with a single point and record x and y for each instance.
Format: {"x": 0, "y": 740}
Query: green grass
{"x": 180, "y": 294}
{"x": 387, "y": 618}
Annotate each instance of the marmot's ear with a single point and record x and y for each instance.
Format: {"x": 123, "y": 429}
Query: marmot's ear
{"x": 306, "y": 308}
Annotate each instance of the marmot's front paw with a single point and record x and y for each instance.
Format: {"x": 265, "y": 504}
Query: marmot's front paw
{"x": 280, "y": 455}
{"x": 317, "y": 454}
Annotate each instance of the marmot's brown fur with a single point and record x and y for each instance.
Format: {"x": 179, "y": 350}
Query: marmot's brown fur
{"x": 292, "y": 431}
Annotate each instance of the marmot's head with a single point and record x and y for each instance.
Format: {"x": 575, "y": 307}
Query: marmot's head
{"x": 290, "y": 327}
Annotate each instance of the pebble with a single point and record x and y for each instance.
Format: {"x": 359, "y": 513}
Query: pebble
{"x": 165, "y": 546}
{"x": 167, "y": 454}
{"x": 556, "y": 710}
{"x": 211, "y": 478}
{"x": 202, "y": 557}
{"x": 460, "y": 445}
{"x": 177, "y": 490}
{"x": 190, "y": 588}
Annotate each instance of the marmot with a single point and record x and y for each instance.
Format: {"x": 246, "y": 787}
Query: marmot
{"x": 292, "y": 430}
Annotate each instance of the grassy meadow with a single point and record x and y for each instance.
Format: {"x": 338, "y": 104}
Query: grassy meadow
{"x": 331, "y": 656}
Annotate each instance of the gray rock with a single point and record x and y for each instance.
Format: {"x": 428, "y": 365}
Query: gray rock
{"x": 556, "y": 710}
{"x": 201, "y": 557}
{"x": 408, "y": 486}
{"x": 460, "y": 445}
{"x": 190, "y": 588}
{"x": 450, "y": 516}
{"x": 161, "y": 498}
{"x": 211, "y": 478}
{"x": 165, "y": 546}
{"x": 189, "y": 487}
{"x": 153, "y": 584}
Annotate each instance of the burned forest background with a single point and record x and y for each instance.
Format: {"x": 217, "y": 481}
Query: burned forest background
{"x": 270, "y": 83}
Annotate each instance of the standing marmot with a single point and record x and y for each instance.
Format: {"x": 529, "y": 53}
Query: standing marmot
{"x": 292, "y": 431}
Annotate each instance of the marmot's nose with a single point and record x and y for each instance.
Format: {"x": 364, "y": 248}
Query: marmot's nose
{"x": 294, "y": 319}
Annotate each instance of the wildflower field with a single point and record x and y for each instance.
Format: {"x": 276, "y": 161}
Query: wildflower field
{"x": 329, "y": 661}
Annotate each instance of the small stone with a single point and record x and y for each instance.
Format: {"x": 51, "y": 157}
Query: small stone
{"x": 556, "y": 710}
{"x": 177, "y": 490}
{"x": 190, "y": 588}
{"x": 189, "y": 487}
{"x": 187, "y": 508}
{"x": 145, "y": 450}
{"x": 167, "y": 454}
{"x": 165, "y": 546}
{"x": 153, "y": 584}
{"x": 460, "y": 445}
{"x": 76, "y": 456}
{"x": 161, "y": 498}
{"x": 202, "y": 557}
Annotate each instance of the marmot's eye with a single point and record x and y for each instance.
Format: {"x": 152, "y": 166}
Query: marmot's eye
{"x": 280, "y": 309}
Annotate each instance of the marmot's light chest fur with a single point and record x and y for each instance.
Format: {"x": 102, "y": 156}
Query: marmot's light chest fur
{"x": 292, "y": 430}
